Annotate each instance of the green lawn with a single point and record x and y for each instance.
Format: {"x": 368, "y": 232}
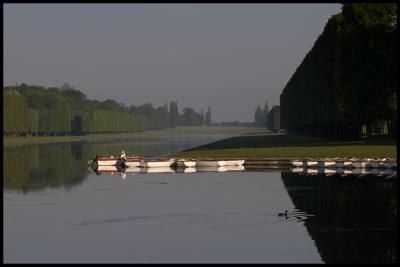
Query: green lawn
{"x": 287, "y": 146}
{"x": 179, "y": 131}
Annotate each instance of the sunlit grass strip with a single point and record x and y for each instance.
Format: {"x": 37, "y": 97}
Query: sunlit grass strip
{"x": 288, "y": 146}
{"x": 296, "y": 152}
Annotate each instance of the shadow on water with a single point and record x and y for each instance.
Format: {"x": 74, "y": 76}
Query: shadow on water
{"x": 354, "y": 217}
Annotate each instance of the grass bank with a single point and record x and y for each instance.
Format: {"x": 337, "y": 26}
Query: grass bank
{"x": 179, "y": 131}
{"x": 288, "y": 146}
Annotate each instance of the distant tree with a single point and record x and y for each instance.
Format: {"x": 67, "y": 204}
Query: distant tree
{"x": 265, "y": 115}
{"x": 208, "y": 116}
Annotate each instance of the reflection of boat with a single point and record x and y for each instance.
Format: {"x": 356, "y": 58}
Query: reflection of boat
{"x": 326, "y": 171}
{"x": 158, "y": 170}
{"x": 186, "y": 163}
{"x": 312, "y": 171}
{"x": 211, "y": 168}
{"x": 210, "y": 163}
{"x": 133, "y": 169}
{"x": 186, "y": 170}
{"x": 298, "y": 170}
{"x": 108, "y": 169}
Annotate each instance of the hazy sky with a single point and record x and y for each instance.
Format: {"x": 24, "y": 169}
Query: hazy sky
{"x": 232, "y": 57}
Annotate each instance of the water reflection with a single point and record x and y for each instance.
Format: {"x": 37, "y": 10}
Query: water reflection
{"x": 355, "y": 217}
{"x": 36, "y": 167}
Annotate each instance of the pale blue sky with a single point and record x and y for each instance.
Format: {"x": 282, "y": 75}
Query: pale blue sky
{"x": 230, "y": 56}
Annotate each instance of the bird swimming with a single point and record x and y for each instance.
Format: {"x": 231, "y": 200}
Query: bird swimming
{"x": 283, "y": 214}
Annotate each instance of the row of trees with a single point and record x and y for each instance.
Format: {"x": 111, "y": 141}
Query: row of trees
{"x": 42, "y": 111}
{"x": 261, "y": 115}
{"x": 346, "y": 85}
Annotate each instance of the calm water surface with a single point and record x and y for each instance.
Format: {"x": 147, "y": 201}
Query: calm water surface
{"x": 58, "y": 210}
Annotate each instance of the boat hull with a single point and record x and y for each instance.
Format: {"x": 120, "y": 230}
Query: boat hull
{"x": 186, "y": 163}
{"x": 156, "y": 164}
{"x": 233, "y": 162}
{"x": 210, "y": 163}
{"x": 132, "y": 163}
{"x": 106, "y": 162}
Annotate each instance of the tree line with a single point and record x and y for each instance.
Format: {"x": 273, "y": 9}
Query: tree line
{"x": 37, "y": 110}
{"x": 346, "y": 84}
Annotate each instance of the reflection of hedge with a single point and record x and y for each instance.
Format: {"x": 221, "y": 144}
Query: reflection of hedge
{"x": 43, "y": 166}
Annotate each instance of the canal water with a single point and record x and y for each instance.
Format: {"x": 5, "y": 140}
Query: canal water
{"x": 58, "y": 210}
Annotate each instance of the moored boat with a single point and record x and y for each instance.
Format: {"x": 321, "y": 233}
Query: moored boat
{"x": 339, "y": 164}
{"x": 387, "y": 163}
{"x": 106, "y": 161}
{"x": 210, "y": 163}
{"x": 130, "y": 161}
{"x": 234, "y": 162}
{"x": 326, "y": 164}
{"x": 186, "y": 163}
{"x": 311, "y": 163}
{"x": 297, "y": 163}
{"x": 151, "y": 163}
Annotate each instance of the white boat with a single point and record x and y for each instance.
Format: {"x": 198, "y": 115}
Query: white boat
{"x": 348, "y": 164}
{"x": 364, "y": 164}
{"x": 231, "y": 168}
{"x": 387, "y": 164}
{"x": 356, "y": 164}
{"x": 234, "y": 162}
{"x": 374, "y": 164}
{"x": 210, "y": 163}
{"x": 103, "y": 161}
{"x": 157, "y": 163}
{"x": 132, "y": 161}
{"x": 186, "y": 163}
{"x": 297, "y": 163}
{"x": 326, "y": 164}
{"x": 312, "y": 163}
{"x": 339, "y": 164}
